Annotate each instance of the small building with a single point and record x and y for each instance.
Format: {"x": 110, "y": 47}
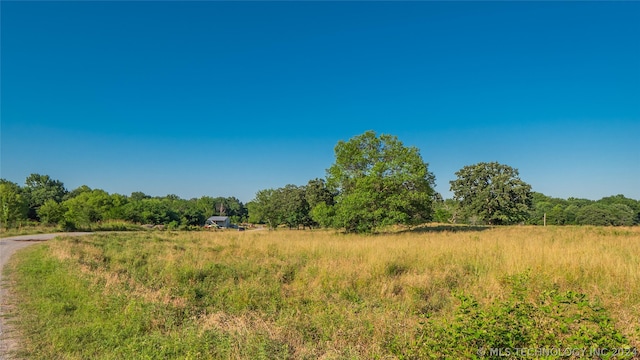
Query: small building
{"x": 218, "y": 221}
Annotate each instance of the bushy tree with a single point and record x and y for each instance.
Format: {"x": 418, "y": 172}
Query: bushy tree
{"x": 188, "y": 211}
{"x": 287, "y": 205}
{"x": 294, "y": 206}
{"x": 157, "y": 211}
{"x": 13, "y": 204}
{"x": 51, "y": 212}
{"x": 75, "y": 192}
{"x": 192, "y": 216}
{"x": 605, "y": 215}
{"x": 80, "y": 213}
{"x": 90, "y": 207}
{"x": 570, "y": 214}
{"x": 265, "y": 208}
{"x": 620, "y": 199}
{"x": 40, "y": 188}
{"x": 317, "y": 192}
{"x": 323, "y": 215}
{"x": 321, "y": 200}
{"x": 609, "y": 211}
{"x": 492, "y": 192}
{"x": 207, "y": 205}
{"x": 116, "y": 210}
{"x": 445, "y": 211}
{"x": 380, "y": 182}
{"x": 622, "y": 215}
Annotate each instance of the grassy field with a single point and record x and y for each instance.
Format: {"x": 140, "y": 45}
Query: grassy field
{"x": 28, "y": 229}
{"x": 37, "y": 228}
{"x": 440, "y": 292}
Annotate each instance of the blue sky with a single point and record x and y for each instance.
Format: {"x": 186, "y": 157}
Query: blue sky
{"x": 227, "y": 98}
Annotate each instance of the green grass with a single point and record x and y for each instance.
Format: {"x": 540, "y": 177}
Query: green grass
{"x": 315, "y": 294}
{"x": 68, "y": 316}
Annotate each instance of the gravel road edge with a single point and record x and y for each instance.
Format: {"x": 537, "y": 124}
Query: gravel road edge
{"x": 8, "y": 246}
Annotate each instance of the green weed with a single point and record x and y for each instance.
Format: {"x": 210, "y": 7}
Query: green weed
{"x": 560, "y": 320}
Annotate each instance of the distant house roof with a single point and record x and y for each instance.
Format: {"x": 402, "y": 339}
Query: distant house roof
{"x": 218, "y": 218}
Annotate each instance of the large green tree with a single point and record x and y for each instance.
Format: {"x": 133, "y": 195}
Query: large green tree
{"x": 492, "y": 193}
{"x": 380, "y": 182}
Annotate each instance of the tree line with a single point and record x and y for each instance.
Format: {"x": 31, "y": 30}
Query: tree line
{"x": 374, "y": 182}
{"x": 47, "y": 201}
{"x": 377, "y": 181}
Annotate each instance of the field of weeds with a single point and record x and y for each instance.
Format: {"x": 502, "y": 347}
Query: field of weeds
{"x": 433, "y": 292}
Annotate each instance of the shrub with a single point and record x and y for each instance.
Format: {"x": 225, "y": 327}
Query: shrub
{"x": 558, "y": 320}
{"x": 67, "y": 225}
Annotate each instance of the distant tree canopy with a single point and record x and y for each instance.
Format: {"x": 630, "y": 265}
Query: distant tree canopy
{"x": 47, "y": 200}
{"x": 40, "y": 188}
{"x": 289, "y": 205}
{"x": 608, "y": 211}
{"x": 13, "y": 204}
{"x": 492, "y": 192}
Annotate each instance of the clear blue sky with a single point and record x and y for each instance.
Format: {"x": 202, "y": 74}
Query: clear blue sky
{"x": 227, "y": 98}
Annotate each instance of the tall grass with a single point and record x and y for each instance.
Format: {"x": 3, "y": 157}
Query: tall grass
{"x": 433, "y": 292}
{"x": 38, "y": 228}
{"x": 28, "y": 228}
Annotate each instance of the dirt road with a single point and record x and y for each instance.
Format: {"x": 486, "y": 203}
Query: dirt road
{"x": 8, "y": 246}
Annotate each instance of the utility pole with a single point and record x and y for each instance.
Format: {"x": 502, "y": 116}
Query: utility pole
{"x": 544, "y": 219}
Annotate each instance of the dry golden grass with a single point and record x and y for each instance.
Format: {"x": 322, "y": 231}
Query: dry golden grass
{"x": 603, "y": 263}
{"x": 329, "y": 295}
